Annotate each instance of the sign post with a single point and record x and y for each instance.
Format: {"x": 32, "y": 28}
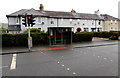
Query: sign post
{"x": 29, "y": 40}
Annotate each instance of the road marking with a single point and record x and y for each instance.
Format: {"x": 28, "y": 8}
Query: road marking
{"x": 98, "y": 56}
{"x": 111, "y": 60}
{"x": 63, "y": 65}
{"x": 68, "y": 68}
{"x": 105, "y": 58}
{"x": 3, "y": 67}
{"x": 74, "y": 73}
{"x": 13, "y": 63}
{"x": 58, "y": 62}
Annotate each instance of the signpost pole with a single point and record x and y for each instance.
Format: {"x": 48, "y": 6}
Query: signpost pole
{"x": 29, "y": 39}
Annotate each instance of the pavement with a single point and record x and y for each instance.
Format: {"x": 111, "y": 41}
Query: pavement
{"x": 94, "y": 43}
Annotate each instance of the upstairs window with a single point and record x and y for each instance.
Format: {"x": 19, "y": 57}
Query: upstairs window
{"x": 52, "y": 22}
{"x": 70, "y": 21}
{"x": 115, "y": 22}
{"x": 111, "y": 21}
{"x": 61, "y": 20}
{"x": 39, "y": 20}
{"x": 83, "y": 24}
{"x": 92, "y": 22}
{"x": 99, "y": 22}
{"x": 17, "y": 20}
{"x": 78, "y": 21}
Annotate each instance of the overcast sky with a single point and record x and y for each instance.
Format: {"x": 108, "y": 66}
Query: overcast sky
{"x": 82, "y": 6}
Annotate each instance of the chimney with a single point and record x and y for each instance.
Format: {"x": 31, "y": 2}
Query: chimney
{"x": 41, "y": 7}
{"x": 97, "y": 12}
{"x": 73, "y": 11}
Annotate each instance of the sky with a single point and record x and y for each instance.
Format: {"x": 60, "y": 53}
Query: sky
{"x": 81, "y": 6}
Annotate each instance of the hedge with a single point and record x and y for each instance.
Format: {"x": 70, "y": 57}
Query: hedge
{"x": 38, "y": 38}
{"x": 111, "y": 35}
{"x": 82, "y": 36}
{"x": 21, "y": 39}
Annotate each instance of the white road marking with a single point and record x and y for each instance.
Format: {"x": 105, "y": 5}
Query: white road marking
{"x": 74, "y": 73}
{"x": 58, "y": 62}
{"x": 105, "y": 58}
{"x": 63, "y": 65}
{"x": 98, "y": 56}
{"x": 13, "y": 63}
{"x": 68, "y": 68}
{"x": 111, "y": 60}
{"x": 3, "y": 67}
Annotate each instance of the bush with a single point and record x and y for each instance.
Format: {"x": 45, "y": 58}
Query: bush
{"x": 101, "y": 34}
{"x": 82, "y": 36}
{"x": 34, "y": 30}
{"x": 113, "y": 35}
{"x": 22, "y": 39}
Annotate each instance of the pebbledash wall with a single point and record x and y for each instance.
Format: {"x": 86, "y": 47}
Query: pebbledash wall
{"x": 45, "y": 19}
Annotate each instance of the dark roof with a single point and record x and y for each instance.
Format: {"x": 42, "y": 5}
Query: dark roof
{"x": 108, "y": 17}
{"x": 60, "y": 14}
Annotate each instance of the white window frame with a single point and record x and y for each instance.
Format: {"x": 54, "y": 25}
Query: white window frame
{"x": 17, "y": 20}
{"x": 39, "y": 20}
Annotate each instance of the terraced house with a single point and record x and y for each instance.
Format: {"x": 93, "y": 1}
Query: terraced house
{"x": 62, "y": 21}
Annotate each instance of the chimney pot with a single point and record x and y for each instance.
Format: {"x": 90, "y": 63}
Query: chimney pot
{"x": 97, "y": 12}
{"x": 73, "y": 11}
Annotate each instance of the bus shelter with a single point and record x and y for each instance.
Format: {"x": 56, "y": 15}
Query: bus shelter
{"x": 59, "y": 35}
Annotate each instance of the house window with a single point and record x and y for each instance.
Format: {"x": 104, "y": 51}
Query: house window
{"x": 99, "y": 29}
{"x": 52, "y": 22}
{"x": 86, "y": 29}
{"x": 111, "y": 22}
{"x": 78, "y": 21}
{"x": 99, "y": 22}
{"x": 61, "y": 20}
{"x": 92, "y": 22}
{"x": 39, "y": 19}
{"x": 115, "y": 22}
{"x": 83, "y": 24}
{"x": 93, "y": 29}
{"x": 17, "y": 20}
{"x": 70, "y": 21}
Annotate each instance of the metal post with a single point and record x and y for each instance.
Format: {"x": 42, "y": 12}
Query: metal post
{"x": 55, "y": 36}
{"x": 49, "y": 37}
{"x": 71, "y": 35}
{"x": 61, "y": 36}
{"x": 29, "y": 38}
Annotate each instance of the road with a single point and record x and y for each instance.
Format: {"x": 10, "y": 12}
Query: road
{"x": 88, "y": 61}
